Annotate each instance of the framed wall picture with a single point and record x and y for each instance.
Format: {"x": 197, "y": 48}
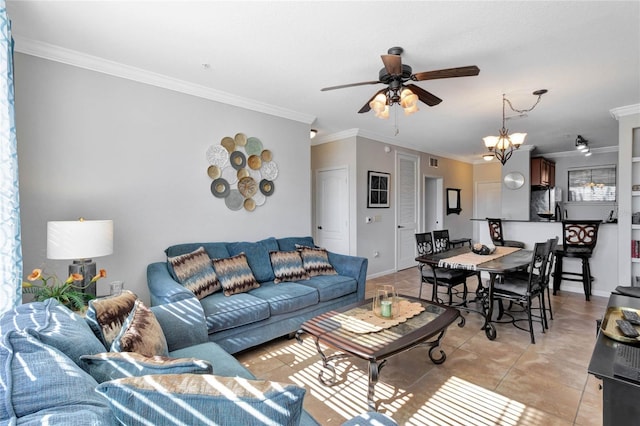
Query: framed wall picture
{"x": 378, "y": 190}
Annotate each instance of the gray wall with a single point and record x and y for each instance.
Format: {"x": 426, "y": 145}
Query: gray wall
{"x": 103, "y": 147}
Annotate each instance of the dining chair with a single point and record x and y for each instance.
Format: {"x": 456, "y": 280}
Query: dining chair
{"x": 497, "y": 236}
{"x": 442, "y": 242}
{"x": 579, "y": 241}
{"x": 522, "y": 291}
{"x": 445, "y": 277}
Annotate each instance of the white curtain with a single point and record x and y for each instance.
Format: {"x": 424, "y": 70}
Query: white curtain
{"x": 10, "y": 240}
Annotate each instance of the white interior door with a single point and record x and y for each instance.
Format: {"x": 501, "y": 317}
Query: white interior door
{"x": 407, "y": 210}
{"x": 487, "y": 203}
{"x": 332, "y": 210}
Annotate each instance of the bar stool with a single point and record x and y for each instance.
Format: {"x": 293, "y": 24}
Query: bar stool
{"x": 495, "y": 232}
{"x": 579, "y": 240}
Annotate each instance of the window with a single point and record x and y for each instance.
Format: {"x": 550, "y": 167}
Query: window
{"x": 595, "y": 184}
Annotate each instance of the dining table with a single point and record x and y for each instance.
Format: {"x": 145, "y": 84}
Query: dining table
{"x": 496, "y": 264}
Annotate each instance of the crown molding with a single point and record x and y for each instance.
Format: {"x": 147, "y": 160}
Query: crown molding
{"x": 384, "y": 139}
{"x": 624, "y": 111}
{"x": 116, "y": 69}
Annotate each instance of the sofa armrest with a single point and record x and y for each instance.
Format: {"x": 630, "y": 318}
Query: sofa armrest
{"x": 163, "y": 288}
{"x": 182, "y": 322}
{"x": 351, "y": 266}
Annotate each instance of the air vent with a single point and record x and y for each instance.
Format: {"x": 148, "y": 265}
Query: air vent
{"x": 433, "y": 162}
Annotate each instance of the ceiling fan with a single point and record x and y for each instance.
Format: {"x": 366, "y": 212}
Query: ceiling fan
{"x": 395, "y": 74}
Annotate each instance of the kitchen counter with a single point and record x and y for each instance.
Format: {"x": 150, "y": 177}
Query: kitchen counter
{"x": 604, "y": 261}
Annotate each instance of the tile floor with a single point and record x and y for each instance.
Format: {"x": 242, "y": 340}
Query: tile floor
{"x": 507, "y": 381}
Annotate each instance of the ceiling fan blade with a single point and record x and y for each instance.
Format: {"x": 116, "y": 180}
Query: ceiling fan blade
{"x": 446, "y": 73}
{"x": 342, "y": 86}
{"x": 393, "y": 64}
{"x": 426, "y": 97}
{"x": 366, "y": 107}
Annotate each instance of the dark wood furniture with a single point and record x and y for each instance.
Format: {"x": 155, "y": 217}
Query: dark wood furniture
{"x": 459, "y": 242}
{"x": 449, "y": 278}
{"x": 543, "y": 172}
{"x": 523, "y": 288}
{"x": 495, "y": 267}
{"x": 426, "y": 328}
{"x": 579, "y": 240}
{"x": 495, "y": 232}
{"x": 620, "y": 397}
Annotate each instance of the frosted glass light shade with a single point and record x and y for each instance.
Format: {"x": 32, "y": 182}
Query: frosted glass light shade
{"x": 490, "y": 141}
{"x": 79, "y": 239}
{"x": 517, "y": 139}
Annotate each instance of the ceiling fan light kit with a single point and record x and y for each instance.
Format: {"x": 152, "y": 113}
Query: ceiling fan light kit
{"x": 395, "y": 74}
{"x": 503, "y": 145}
{"x": 582, "y": 145}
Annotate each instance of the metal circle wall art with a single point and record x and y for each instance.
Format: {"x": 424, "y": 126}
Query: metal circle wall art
{"x": 242, "y": 172}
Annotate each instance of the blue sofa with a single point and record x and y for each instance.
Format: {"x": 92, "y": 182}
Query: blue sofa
{"x": 245, "y": 320}
{"x": 44, "y": 380}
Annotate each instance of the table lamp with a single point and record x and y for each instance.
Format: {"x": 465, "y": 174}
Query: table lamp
{"x": 80, "y": 240}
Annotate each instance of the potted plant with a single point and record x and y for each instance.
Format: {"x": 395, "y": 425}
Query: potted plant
{"x": 66, "y": 292}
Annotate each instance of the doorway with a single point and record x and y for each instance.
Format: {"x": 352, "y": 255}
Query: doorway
{"x": 433, "y": 203}
{"x": 487, "y": 203}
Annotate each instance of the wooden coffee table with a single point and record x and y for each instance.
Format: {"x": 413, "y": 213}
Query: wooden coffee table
{"x": 427, "y": 328}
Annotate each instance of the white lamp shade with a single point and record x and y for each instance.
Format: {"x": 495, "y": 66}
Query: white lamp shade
{"x": 490, "y": 141}
{"x": 517, "y": 139}
{"x": 79, "y": 239}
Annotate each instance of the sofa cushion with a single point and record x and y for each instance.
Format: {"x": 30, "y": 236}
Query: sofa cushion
{"x": 56, "y": 325}
{"x": 331, "y": 287}
{"x": 107, "y": 366}
{"x": 222, "y": 313}
{"x": 202, "y": 399}
{"x": 316, "y": 261}
{"x": 289, "y": 243}
{"x": 195, "y": 272}
{"x": 257, "y": 256}
{"x": 38, "y": 378}
{"x": 283, "y": 299}
{"x": 235, "y": 275}
{"x": 141, "y": 332}
{"x": 222, "y": 362}
{"x": 287, "y": 266}
{"x": 107, "y": 314}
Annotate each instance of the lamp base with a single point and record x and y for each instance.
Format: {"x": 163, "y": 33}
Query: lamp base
{"x": 86, "y": 268}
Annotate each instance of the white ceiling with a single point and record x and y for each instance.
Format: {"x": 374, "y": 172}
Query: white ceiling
{"x": 280, "y": 54}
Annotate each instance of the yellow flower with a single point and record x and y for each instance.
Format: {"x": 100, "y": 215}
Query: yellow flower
{"x": 35, "y": 274}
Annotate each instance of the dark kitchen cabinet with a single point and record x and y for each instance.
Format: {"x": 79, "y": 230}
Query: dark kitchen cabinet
{"x": 543, "y": 172}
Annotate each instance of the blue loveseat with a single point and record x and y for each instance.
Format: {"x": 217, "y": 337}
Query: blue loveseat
{"x": 248, "y": 319}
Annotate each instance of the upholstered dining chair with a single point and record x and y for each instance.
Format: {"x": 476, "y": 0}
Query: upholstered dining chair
{"x": 524, "y": 288}
{"x": 495, "y": 232}
{"x": 442, "y": 242}
{"x": 579, "y": 241}
{"x": 445, "y": 277}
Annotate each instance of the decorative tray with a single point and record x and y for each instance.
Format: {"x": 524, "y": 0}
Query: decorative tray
{"x": 610, "y": 328}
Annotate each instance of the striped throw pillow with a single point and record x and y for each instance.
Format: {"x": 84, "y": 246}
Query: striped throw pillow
{"x": 195, "y": 272}
{"x": 287, "y": 266}
{"x": 316, "y": 261}
{"x": 235, "y": 275}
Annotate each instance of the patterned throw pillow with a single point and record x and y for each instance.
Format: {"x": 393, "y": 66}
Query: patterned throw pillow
{"x": 235, "y": 275}
{"x": 141, "y": 333}
{"x": 199, "y": 399}
{"x": 287, "y": 266}
{"x": 316, "y": 261}
{"x": 195, "y": 272}
{"x": 107, "y": 314}
{"x": 107, "y": 366}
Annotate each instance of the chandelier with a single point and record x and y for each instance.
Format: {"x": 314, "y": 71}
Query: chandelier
{"x": 395, "y": 94}
{"x": 503, "y": 145}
